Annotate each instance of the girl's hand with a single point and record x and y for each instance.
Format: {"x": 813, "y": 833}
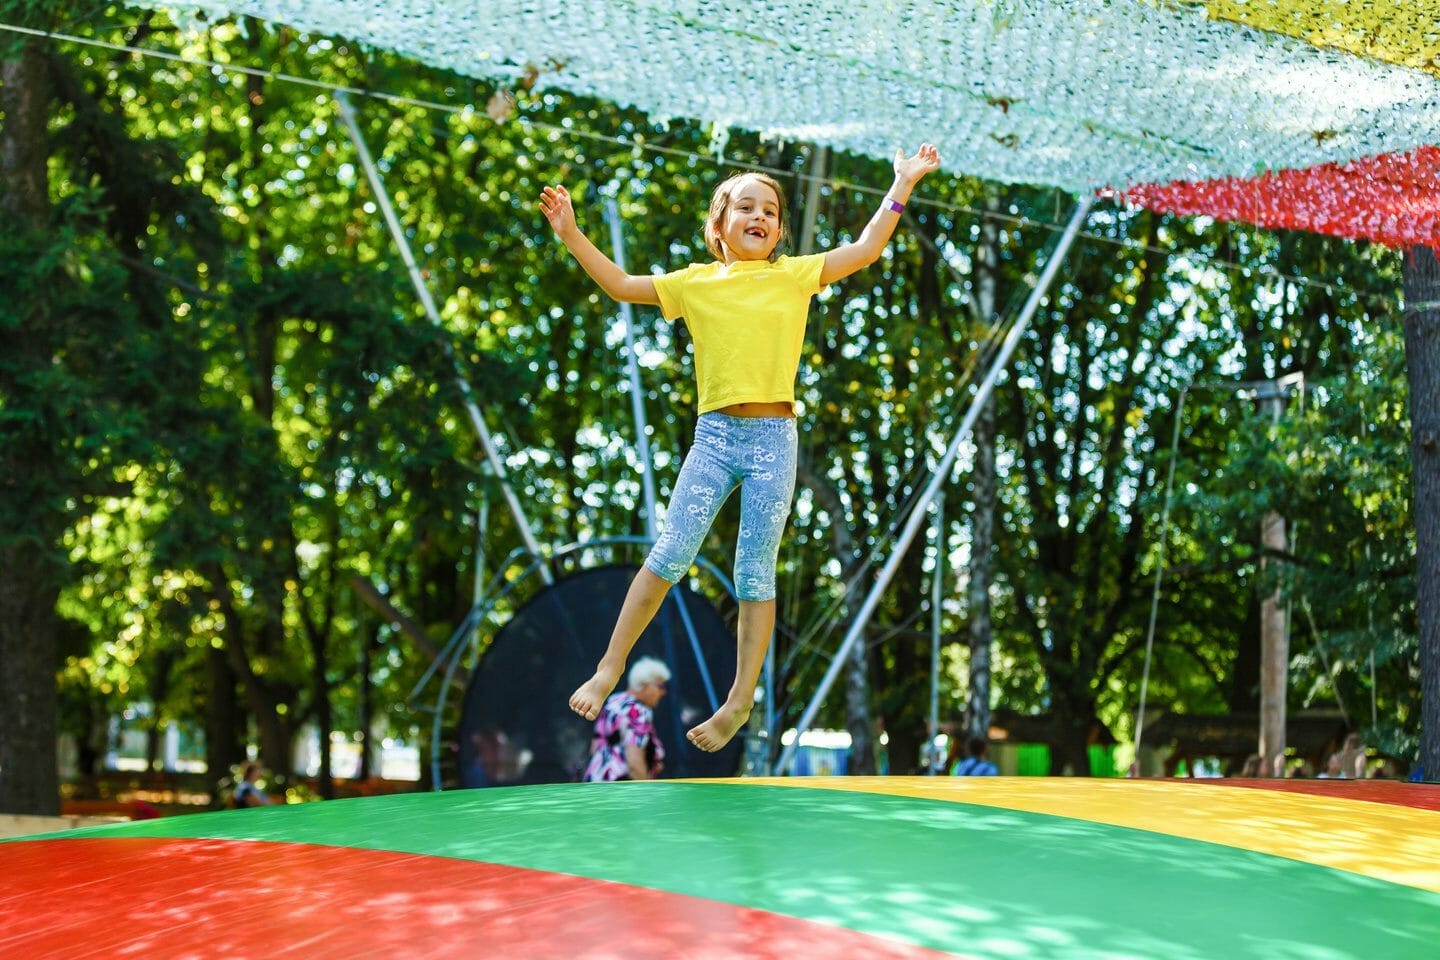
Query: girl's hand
{"x": 555, "y": 204}
{"x": 911, "y": 169}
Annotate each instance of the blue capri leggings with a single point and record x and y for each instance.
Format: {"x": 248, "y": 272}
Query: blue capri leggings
{"x": 757, "y": 454}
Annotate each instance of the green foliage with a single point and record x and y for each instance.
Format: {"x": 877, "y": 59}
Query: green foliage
{"x": 1337, "y": 466}
{"x": 247, "y": 405}
{"x": 64, "y": 302}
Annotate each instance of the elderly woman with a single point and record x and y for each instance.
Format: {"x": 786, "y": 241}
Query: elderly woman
{"x": 625, "y": 745}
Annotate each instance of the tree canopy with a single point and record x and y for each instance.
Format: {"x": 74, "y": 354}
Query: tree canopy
{"x": 224, "y": 407}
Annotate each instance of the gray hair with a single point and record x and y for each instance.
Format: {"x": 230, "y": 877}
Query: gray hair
{"x": 648, "y": 670}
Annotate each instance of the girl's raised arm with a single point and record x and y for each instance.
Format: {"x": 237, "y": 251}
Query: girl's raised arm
{"x": 866, "y": 249}
{"x": 626, "y": 287}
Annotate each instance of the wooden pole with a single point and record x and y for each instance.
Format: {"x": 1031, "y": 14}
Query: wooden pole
{"x": 1274, "y": 632}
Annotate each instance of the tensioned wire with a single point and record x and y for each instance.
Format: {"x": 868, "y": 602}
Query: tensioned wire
{"x": 980, "y": 357}
{"x": 892, "y": 517}
{"x": 468, "y": 111}
{"x": 824, "y": 617}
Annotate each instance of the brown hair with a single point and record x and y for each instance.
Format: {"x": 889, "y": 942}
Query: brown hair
{"x": 720, "y": 206}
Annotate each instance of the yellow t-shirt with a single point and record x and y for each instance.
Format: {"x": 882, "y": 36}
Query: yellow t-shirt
{"x": 748, "y": 323}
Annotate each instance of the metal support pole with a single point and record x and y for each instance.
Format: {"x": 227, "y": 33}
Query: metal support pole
{"x": 937, "y": 578}
{"x": 809, "y": 212}
{"x": 1274, "y": 624}
{"x": 482, "y": 533}
{"x": 632, "y": 365}
{"x": 937, "y": 478}
{"x": 768, "y": 681}
{"x": 689, "y": 623}
{"x": 382, "y": 197}
{"x": 818, "y": 159}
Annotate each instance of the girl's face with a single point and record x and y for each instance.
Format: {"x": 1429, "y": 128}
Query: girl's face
{"x": 752, "y": 222}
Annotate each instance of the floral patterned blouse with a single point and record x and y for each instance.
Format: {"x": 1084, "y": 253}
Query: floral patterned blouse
{"x": 623, "y": 720}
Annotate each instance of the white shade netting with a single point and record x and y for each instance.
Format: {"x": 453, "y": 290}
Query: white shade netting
{"x": 1079, "y": 94}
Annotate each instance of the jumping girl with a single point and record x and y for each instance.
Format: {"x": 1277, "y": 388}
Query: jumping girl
{"x": 746, "y": 313}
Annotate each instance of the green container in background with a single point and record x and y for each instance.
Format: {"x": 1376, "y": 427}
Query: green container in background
{"x": 1033, "y": 760}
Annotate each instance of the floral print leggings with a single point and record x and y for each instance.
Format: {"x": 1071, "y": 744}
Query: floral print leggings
{"x": 757, "y": 454}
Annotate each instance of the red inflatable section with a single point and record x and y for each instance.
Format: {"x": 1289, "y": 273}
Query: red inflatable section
{"x": 182, "y": 899}
{"x": 1394, "y": 792}
{"x": 1392, "y": 199}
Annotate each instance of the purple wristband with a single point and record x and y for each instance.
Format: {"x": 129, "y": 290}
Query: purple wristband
{"x": 892, "y": 204}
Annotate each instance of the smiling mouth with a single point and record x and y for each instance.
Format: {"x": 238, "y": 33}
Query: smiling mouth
{"x": 759, "y": 234}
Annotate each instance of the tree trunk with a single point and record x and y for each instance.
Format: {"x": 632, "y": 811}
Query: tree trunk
{"x": 224, "y": 720}
{"x": 1071, "y": 755}
{"x": 30, "y": 567}
{"x": 902, "y": 704}
{"x": 982, "y": 535}
{"x": 367, "y": 709}
{"x": 858, "y": 719}
{"x": 275, "y": 730}
{"x": 161, "y": 667}
{"x": 24, "y": 150}
{"x": 29, "y": 775}
{"x": 857, "y": 686}
{"x": 1275, "y": 656}
{"x": 1243, "y": 694}
{"x": 323, "y": 719}
{"x": 92, "y": 734}
{"x": 1422, "y": 357}
{"x": 263, "y": 696}
{"x": 857, "y": 711}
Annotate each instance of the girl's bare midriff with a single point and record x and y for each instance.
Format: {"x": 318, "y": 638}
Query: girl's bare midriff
{"x": 779, "y": 408}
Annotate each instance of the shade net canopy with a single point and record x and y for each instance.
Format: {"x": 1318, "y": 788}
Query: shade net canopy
{"x": 1076, "y": 94}
{"x": 1406, "y": 32}
{"x": 516, "y": 726}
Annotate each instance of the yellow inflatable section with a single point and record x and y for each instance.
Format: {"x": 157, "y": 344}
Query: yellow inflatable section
{"x": 1399, "y": 844}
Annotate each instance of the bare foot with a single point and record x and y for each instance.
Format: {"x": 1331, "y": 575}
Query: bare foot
{"x": 717, "y": 731}
{"x": 590, "y": 696}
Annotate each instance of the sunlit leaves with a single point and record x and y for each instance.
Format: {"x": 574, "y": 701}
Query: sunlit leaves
{"x": 290, "y": 416}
